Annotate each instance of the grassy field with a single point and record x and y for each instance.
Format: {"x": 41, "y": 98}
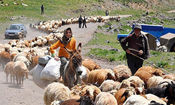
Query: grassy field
{"x": 53, "y": 9}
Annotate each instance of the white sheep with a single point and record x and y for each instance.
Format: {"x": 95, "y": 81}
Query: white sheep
{"x": 20, "y": 70}
{"x": 152, "y": 97}
{"x": 109, "y": 85}
{"x": 105, "y": 98}
{"x": 136, "y": 100}
{"x": 56, "y": 91}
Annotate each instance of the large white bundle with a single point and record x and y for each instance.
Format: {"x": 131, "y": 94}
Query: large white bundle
{"x": 51, "y": 71}
{"x": 44, "y": 60}
{"x": 35, "y": 72}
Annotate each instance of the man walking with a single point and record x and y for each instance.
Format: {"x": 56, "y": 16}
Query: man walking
{"x": 84, "y": 22}
{"x": 42, "y": 9}
{"x": 80, "y": 20}
{"x": 107, "y": 13}
{"x": 136, "y": 47}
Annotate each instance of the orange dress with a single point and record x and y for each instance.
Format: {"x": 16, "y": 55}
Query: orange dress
{"x": 62, "y": 52}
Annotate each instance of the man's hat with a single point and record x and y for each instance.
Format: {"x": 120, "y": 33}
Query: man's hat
{"x": 137, "y": 26}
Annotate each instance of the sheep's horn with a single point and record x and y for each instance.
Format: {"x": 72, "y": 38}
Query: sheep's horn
{"x": 163, "y": 83}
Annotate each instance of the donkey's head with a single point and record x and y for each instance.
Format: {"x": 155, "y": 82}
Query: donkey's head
{"x": 75, "y": 59}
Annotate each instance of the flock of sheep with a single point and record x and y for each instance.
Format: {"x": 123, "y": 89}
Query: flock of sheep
{"x": 53, "y": 25}
{"x": 148, "y": 86}
{"x": 117, "y": 86}
{"x": 18, "y": 2}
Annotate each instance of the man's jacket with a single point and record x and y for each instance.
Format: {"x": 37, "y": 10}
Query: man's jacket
{"x": 134, "y": 44}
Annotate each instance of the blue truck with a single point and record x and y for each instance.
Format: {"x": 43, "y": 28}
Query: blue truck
{"x": 157, "y": 36}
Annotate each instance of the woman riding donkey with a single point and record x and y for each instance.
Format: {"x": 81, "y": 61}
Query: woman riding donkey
{"x": 68, "y": 42}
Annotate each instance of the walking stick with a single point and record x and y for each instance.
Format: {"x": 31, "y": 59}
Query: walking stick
{"x": 146, "y": 60}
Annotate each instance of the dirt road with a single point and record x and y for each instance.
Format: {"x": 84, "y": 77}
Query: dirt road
{"x": 31, "y": 94}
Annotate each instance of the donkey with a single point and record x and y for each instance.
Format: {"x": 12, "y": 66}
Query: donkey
{"x": 72, "y": 70}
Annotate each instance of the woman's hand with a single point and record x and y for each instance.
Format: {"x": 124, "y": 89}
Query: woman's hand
{"x": 56, "y": 58}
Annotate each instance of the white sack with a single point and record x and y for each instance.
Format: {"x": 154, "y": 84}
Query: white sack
{"x": 51, "y": 71}
{"x": 35, "y": 72}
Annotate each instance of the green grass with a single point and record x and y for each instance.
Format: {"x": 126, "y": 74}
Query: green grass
{"x": 108, "y": 54}
{"x": 53, "y": 8}
{"x": 134, "y": 1}
{"x": 100, "y": 39}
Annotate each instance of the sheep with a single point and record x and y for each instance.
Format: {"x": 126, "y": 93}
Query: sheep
{"x": 136, "y": 100}
{"x": 152, "y": 97}
{"x": 122, "y": 72}
{"x": 56, "y": 91}
{"x": 9, "y": 70}
{"x": 169, "y": 76}
{"x": 104, "y": 98}
{"x": 84, "y": 100}
{"x": 22, "y": 57}
{"x": 147, "y": 72}
{"x": 157, "y": 81}
{"x": 20, "y": 70}
{"x": 90, "y": 64}
{"x": 154, "y": 81}
{"x": 66, "y": 102}
{"x": 132, "y": 81}
{"x": 91, "y": 91}
{"x": 76, "y": 90}
{"x": 99, "y": 75}
{"x": 4, "y": 57}
{"x": 109, "y": 85}
{"x": 122, "y": 94}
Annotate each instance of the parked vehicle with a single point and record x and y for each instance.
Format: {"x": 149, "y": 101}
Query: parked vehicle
{"x": 16, "y": 31}
{"x": 155, "y": 34}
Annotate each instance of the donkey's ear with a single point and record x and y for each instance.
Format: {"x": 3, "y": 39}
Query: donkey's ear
{"x": 79, "y": 47}
{"x": 69, "y": 51}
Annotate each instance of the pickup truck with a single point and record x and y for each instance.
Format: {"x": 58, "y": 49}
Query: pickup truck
{"x": 157, "y": 36}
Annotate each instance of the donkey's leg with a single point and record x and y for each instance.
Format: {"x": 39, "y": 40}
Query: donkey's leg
{"x": 71, "y": 81}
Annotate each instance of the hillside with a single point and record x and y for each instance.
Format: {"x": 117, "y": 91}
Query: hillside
{"x": 14, "y": 9}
